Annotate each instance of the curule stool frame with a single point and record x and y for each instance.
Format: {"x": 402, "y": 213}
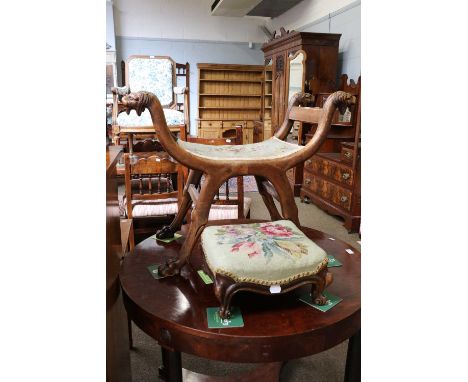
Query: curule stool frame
{"x": 218, "y": 171}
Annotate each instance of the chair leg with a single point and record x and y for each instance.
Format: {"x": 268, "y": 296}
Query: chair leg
{"x": 199, "y": 219}
{"x": 168, "y": 232}
{"x": 267, "y": 199}
{"x": 286, "y": 196}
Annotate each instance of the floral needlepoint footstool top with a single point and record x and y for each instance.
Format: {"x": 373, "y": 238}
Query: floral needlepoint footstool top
{"x": 271, "y": 253}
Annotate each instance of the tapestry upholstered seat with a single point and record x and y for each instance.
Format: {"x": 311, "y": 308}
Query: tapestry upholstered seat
{"x": 270, "y": 149}
{"x": 271, "y": 253}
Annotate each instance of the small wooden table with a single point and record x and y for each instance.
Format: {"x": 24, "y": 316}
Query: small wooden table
{"x": 276, "y": 328}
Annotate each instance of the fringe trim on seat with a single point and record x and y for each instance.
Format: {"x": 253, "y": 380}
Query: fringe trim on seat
{"x": 254, "y": 280}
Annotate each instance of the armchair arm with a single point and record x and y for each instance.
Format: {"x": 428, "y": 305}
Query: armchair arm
{"x": 116, "y": 92}
{"x": 120, "y": 90}
{"x": 178, "y": 90}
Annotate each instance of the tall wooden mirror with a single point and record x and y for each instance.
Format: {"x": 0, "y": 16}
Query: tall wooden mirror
{"x": 296, "y": 81}
{"x": 296, "y": 76}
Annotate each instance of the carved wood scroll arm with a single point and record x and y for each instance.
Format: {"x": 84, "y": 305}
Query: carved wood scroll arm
{"x": 145, "y": 100}
{"x": 297, "y": 99}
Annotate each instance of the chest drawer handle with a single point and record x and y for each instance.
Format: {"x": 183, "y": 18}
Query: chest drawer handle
{"x": 307, "y": 181}
{"x": 344, "y": 199}
{"x": 346, "y": 176}
{"x": 348, "y": 154}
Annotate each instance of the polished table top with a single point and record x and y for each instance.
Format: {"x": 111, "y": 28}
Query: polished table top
{"x": 276, "y": 328}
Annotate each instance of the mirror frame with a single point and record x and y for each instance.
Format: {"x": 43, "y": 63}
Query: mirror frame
{"x": 291, "y": 57}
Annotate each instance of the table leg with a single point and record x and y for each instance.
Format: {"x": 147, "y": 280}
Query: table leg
{"x": 171, "y": 371}
{"x": 353, "y": 359}
{"x": 130, "y": 333}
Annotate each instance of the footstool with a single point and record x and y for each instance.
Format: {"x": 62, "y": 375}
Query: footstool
{"x": 268, "y": 258}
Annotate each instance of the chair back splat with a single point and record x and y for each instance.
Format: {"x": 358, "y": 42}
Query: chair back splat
{"x": 153, "y": 185}
{"x": 267, "y": 160}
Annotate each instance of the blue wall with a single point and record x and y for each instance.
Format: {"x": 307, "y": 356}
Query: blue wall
{"x": 348, "y": 23}
{"x": 110, "y": 35}
{"x": 194, "y": 52}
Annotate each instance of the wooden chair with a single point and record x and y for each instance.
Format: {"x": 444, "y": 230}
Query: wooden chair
{"x": 161, "y": 76}
{"x": 267, "y": 160}
{"x": 153, "y": 189}
{"x": 347, "y": 118}
{"x": 151, "y": 193}
{"x": 225, "y": 206}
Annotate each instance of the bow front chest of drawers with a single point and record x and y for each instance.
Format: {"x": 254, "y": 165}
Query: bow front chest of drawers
{"x": 332, "y": 181}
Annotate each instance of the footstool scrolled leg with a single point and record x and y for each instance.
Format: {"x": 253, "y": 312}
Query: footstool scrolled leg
{"x": 167, "y": 232}
{"x": 322, "y": 280}
{"x": 199, "y": 220}
{"x": 225, "y": 289}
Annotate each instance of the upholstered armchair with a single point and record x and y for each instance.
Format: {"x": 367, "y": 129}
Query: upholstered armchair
{"x": 158, "y": 75}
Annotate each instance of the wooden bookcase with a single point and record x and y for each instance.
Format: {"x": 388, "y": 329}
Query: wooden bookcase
{"x": 267, "y": 102}
{"x": 228, "y": 96}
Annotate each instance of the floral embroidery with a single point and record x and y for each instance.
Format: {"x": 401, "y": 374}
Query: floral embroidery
{"x": 249, "y": 248}
{"x": 267, "y": 239}
{"x": 276, "y": 230}
{"x": 267, "y": 253}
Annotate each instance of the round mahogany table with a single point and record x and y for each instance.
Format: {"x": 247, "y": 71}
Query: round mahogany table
{"x": 276, "y": 328}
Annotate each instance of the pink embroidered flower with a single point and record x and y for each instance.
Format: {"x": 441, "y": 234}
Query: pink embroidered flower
{"x": 275, "y": 230}
{"x": 249, "y": 248}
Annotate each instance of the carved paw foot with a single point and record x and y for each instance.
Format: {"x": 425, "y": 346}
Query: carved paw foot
{"x": 165, "y": 232}
{"x": 320, "y": 300}
{"x": 170, "y": 268}
{"x": 224, "y": 313}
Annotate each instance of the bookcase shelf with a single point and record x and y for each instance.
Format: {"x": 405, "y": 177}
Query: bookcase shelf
{"x": 230, "y": 107}
{"x": 229, "y": 95}
{"x": 267, "y": 102}
{"x": 229, "y": 80}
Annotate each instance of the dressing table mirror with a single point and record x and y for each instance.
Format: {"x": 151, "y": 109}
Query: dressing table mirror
{"x": 296, "y": 80}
